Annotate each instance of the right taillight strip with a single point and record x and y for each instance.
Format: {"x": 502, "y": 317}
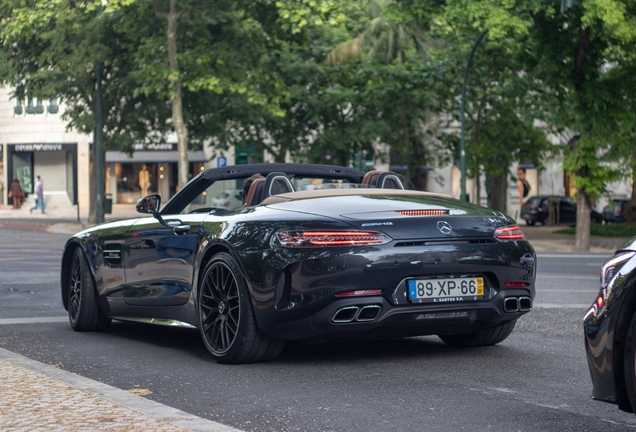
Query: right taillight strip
{"x": 511, "y": 232}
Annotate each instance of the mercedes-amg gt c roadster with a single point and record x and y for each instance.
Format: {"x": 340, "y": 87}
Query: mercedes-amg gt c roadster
{"x": 315, "y": 252}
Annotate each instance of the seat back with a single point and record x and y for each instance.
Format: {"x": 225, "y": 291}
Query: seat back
{"x": 255, "y": 193}
{"x": 277, "y": 183}
{"x": 370, "y": 178}
{"x": 389, "y": 180}
{"x": 382, "y": 180}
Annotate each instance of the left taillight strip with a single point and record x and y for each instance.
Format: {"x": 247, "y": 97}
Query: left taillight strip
{"x": 331, "y": 238}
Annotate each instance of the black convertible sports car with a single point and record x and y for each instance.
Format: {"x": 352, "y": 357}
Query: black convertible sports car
{"x": 610, "y": 331}
{"x": 316, "y": 252}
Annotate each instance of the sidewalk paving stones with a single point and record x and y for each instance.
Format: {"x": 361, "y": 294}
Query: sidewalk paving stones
{"x": 39, "y": 397}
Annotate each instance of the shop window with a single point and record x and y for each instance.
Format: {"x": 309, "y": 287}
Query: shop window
{"x": 135, "y": 180}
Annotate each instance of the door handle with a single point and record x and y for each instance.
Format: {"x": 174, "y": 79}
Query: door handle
{"x": 181, "y": 229}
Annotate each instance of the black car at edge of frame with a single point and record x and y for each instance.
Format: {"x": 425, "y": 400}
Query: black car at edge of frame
{"x": 610, "y": 331}
{"x": 316, "y": 253}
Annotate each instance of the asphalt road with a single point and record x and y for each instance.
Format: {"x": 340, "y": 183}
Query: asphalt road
{"x": 536, "y": 380}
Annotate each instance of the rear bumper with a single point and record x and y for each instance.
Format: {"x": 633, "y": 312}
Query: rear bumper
{"x": 400, "y": 321}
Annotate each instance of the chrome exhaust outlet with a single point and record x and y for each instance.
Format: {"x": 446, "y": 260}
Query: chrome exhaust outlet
{"x": 368, "y": 313}
{"x": 511, "y": 304}
{"x": 345, "y": 314}
{"x": 525, "y": 304}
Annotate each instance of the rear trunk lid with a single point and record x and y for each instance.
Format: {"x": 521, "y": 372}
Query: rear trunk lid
{"x": 405, "y": 217}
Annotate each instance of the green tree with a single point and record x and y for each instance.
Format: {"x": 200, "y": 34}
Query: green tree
{"x": 503, "y": 101}
{"x": 583, "y": 58}
{"x": 395, "y": 37}
{"x": 52, "y": 49}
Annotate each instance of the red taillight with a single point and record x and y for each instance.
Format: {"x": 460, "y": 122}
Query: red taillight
{"x": 331, "y": 238}
{"x": 511, "y": 232}
{"x": 515, "y": 284}
{"x": 359, "y": 293}
{"x": 422, "y": 212}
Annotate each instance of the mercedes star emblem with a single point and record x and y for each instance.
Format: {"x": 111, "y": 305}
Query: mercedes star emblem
{"x": 444, "y": 227}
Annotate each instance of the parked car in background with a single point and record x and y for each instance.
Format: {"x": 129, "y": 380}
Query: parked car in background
{"x": 610, "y": 331}
{"x": 615, "y": 211}
{"x": 537, "y": 210}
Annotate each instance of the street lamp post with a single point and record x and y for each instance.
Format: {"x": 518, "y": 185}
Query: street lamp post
{"x": 462, "y": 152}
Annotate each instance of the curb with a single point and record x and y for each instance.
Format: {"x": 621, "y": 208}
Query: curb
{"x": 148, "y": 408}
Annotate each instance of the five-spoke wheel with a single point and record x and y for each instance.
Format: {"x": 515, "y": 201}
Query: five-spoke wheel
{"x": 226, "y": 316}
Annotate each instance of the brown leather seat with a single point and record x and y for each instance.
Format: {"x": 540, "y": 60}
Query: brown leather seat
{"x": 254, "y": 195}
{"x": 368, "y": 177}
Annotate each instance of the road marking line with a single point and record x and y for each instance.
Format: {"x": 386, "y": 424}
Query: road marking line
{"x": 574, "y": 256}
{"x": 584, "y": 306}
{"x": 147, "y": 407}
{"x": 544, "y": 276}
{"x": 33, "y": 320}
{"x": 591, "y": 290}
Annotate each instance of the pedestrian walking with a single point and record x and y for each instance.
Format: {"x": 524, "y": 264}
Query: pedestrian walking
{"x": 39, "y": 194}
{"x": 524, "y": 186}
{"x": 16, "y": 194}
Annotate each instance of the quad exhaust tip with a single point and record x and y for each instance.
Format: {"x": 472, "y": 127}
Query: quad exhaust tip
{"x": 525, "y": 304}
{"x": 517, "y": 304}
{"x": 349, "y": 314}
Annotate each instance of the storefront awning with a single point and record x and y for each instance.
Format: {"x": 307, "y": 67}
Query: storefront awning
{"x": 153, "y": 157}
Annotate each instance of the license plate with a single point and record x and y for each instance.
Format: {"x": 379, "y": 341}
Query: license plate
{"x": 446, "y": 290}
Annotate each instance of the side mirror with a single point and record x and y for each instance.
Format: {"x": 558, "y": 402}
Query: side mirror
{"x": 149, "y": 204}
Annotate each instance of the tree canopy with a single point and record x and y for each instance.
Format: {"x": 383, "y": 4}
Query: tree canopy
{"x": 332, "y": 81}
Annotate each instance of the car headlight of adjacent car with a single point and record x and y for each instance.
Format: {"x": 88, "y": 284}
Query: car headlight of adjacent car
{"x": 608, "y": 271}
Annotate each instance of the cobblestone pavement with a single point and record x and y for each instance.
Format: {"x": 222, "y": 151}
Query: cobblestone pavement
{"x": 33, "y": 400}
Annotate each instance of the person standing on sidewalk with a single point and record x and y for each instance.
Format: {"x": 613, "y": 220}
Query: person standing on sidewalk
{"x": 16, "y": 194}
{"x": 39, "y": 195}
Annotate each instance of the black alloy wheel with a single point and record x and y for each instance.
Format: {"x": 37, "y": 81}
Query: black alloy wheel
{"x": 479, "y": 338}
{"x": 84, "y": 313}
{"x": 226, "y": 316}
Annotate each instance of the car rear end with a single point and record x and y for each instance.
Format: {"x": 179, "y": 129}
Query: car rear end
{"x": 615, "y": 211}
{"x": 532, "y": 211}
{"x": 400, "y": 267}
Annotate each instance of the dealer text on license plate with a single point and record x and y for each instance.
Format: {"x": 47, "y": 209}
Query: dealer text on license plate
{"x": 442, "y": 290}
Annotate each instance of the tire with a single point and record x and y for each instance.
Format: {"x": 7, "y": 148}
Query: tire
{"x": 531, "y": 223}
{"x": 629, "y": 363}
{"x": 485, "y": 337}
{"x": 226, "y": 317}
{"x": 83, "y": 309}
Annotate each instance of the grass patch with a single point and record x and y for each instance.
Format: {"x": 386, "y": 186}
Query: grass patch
{"x": 610, "y": 230}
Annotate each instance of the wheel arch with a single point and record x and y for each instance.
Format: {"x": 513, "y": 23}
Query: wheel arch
{"x": 214, "y": 249}
{"x": 73, "y": 244}
{"x": 67, "y": 256}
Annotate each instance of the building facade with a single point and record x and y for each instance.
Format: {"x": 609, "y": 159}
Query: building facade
{"x": 34, "y": 140}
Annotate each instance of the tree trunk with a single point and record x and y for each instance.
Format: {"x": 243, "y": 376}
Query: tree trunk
{"x": 499, "y": 193}
{"x": 630, "y": 211}
{"x": 582, "y": 242}
{"x": 177, "y": 100}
